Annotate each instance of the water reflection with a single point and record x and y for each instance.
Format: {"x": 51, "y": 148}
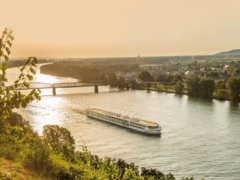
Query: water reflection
{"x": 45, "y": 78}
{"x": 234, "y": 105}
{"x": 200, "y": 101}
{"x": 46, "y": 112}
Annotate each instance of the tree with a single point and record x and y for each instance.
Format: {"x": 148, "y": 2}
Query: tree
{"x": 159, "y": 87}
{"x": 88, "y": 73}
{"x": 165, "y": 78}
{"x": 60, "y": 140}
{"x": 220, "y": 85}
{"x": 102, "y": 77}
{"x": 121, "y": 80}
{"x": 233, "y": 85}
{"x": 206, "y": 88}
{"x": 145, "y": 76}
{"x": 112, "y": 78}
{"x": 192, "y": 85}
{"x": 179, "y": 87}
{"x": 222, "y": 94}
{"x": 212, "y": 74}
{"x": 11, "y": 97}
{"x": 148, "y": 85}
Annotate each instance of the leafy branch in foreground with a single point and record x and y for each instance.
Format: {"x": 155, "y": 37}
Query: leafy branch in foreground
{"x": 11, "y": 97}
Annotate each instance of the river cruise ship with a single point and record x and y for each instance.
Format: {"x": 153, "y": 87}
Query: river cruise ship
{"x": 136, "y": 124}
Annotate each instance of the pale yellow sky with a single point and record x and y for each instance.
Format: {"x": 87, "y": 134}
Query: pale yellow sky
{"x": 111, "y": 28}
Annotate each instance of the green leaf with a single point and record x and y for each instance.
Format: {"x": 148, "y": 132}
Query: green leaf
{"x": 9, "y": 43}
{"x": 28, "y": 60}
{"x": 30, "y": 77}
{"x": 6, "y": 57}
{"x": 33, "y": 64}
{"x": 34, "y": 59}
{"x": 8, "y": 50}
{"x": 26, "y": 84}
{"x": 4, "y": 66}
{"x": 32, "y": 70}
{"x": 16, "y": 82}
{"x": 22, "y": 68}
{"x": 11, "y": 37}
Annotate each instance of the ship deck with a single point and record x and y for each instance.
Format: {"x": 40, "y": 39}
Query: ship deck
{"x": 141, "y": 121}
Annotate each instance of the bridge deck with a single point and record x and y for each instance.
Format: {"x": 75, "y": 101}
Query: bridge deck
{"x": 41, "y": 85}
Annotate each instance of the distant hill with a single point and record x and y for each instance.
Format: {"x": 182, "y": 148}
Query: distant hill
{"x": 229, "y": 53}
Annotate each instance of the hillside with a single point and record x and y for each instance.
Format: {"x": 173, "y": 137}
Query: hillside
{"x": 12, "y": 170}
{"x": 234, "y": 52}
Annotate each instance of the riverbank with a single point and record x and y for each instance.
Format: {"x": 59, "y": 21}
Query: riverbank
{"x": 170, "y": 89}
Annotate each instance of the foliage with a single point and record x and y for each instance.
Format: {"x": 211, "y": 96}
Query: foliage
{"x": 212, "y": 74}
{"x": 233, "y": 85}
{"x": 220, "y": 85}
{"x": 169, "y": 78}
{"x": 14, "y": 172}
{"x": 112, "y": 78}
{"x": 159, "y": 87}
{"x": 36, "y": 155}
{"x": 197, "y": 87}
{"x": 164, "y": 78}
{"x": 17, "y": 120}
{"x": 206, "y": 88}
{"x": 179, "y": 87}
{"x": 60, "y": 140}
{"x": 119, "y": 68}
{"x": 85, "y": 72}
{"x": 145, "y": 76}
{"x": 88, "y": 73}
{"x": 193, "y": 85}
{"x": 148, "y": 84}
{"x": 121, "y": 80}
{"x": 11, "y": 97}
{"x": 222, "y": 94}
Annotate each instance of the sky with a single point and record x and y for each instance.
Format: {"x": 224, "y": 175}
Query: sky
{"x": 121, "y": 28}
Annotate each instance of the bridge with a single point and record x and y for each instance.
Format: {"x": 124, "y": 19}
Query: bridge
{"x": 54, "y": 86}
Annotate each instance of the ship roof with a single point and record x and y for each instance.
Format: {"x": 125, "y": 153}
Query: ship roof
{"x": 117, "y": 115}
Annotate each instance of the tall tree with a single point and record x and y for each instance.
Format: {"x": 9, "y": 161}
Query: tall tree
{"x": 192, "y": 85}
{"x": 60, "y": 139}
{"x": 233, "y": 85}
{"x": 206, "y": 88}
{"x": 179, "y": 87}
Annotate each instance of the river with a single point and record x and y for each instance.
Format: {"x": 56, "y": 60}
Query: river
{"x": 199, "y": 137}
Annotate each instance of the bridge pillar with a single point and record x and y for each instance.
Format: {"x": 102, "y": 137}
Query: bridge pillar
{"x": 96, "y": 88}
{"x": 54, "y": 91}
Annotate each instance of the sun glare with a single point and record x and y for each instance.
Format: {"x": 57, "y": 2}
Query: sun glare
{"x": 48, "y": 113}
{"x": 45, "y": 78}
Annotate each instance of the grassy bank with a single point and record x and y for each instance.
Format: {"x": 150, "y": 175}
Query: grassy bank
{"x": 219, "y": 94}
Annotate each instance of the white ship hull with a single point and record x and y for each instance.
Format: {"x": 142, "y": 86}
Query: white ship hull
{"x": 142, "y": 126}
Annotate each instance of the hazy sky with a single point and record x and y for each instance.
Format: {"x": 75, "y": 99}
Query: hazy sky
{"x": 111, "y": 28}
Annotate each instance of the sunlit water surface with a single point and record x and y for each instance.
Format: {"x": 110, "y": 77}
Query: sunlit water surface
{"x": 199, "y": 137}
